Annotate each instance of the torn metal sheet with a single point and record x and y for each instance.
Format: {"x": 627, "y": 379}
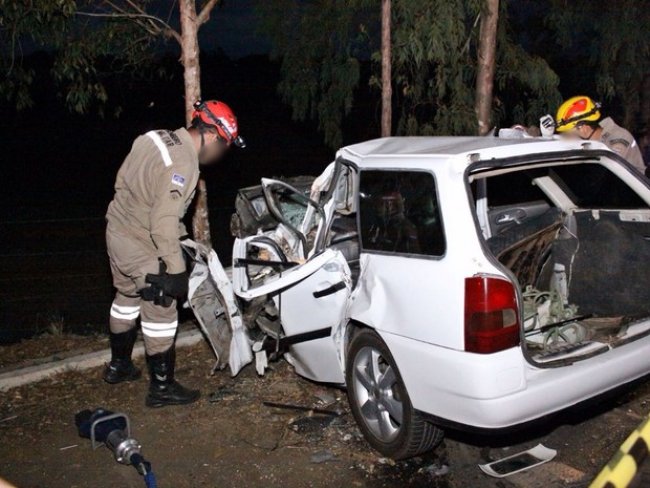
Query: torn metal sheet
{"x": 212, "y": 300}
{"x": 521, "y": 461}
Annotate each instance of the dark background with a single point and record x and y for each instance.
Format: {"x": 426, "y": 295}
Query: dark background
{"x": 58, "y": 168}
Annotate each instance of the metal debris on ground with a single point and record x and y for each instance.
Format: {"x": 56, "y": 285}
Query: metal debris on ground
{"x": 321, "y": 457}
{"x": 302, "y": 408}
{"x": 518, "y": 462}
{"x": 384, "y": 460}
{"x": 325, "y": 397}
{"x": 311, "y": 424}
{"x": 222, "y": 393}
{"x": 436, "y": 469}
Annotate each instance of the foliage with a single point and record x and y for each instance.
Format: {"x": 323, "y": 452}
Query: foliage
{"x": 87, "y": 50}
{"x": 38, "y": 23}
{"x": 434, "y": 64}
{"x": 320, "y": 44}
{"x": 609, "y": 43}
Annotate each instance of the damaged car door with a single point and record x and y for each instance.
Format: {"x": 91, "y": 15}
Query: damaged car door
{"x": 295, "y": 292}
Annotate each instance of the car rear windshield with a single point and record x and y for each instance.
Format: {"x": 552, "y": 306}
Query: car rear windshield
{"x": 589, "y": 186}
{"x": 399, "y": 213}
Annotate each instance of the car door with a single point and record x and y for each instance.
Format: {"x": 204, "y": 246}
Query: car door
{"x": 311, "y": 312}
{"x": 311, "y": 294}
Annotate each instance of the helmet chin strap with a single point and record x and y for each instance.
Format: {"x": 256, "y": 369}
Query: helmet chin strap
{"x": 588, "y": 138}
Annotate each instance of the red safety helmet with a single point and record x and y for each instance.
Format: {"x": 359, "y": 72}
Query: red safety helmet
{"x": 220, "y": 116}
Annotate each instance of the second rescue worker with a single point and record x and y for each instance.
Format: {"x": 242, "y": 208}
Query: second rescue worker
{"x": 579, "y": 117}
{"x": 153, "y": 190}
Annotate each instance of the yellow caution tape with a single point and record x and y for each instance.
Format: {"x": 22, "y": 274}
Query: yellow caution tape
{"x": 622, "y": 468}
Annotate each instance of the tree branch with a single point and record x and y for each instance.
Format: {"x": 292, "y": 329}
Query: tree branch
{"x": 204, "y": 16}
{"x": 165, "y": 29}
{"x": 140, "y": 10}
{"x": 147, "y": 24}
{"x": 469, "y": 36}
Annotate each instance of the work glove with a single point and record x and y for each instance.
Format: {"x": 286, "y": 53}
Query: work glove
{"x": 164, "y": 288}
{"x": 155, "y": 292}
{"x": 177, "y": 284}
{"x": 547, "y": 125}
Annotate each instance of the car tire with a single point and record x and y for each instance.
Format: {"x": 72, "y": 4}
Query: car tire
{"x": 380, "y": 403}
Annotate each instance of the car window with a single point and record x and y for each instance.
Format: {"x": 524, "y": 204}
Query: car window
{"x": 399, "y": 213}
{"x": 595, "y": 186}
{"x": 589, "y": 186}
{"x": 292, "y": 207}
{"x": 512, "y": 189}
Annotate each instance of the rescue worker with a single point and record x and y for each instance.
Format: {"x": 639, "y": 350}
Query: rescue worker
{"x": 579, "y": 117}
{"x": 153, "y": 190}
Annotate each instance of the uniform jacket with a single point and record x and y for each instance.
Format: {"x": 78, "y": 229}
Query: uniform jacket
{"x": 153, "y": 189}
{"x": 621, "y": 141}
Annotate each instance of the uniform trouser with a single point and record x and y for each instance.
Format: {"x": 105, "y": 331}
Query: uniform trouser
{"x": 131, "y": 260}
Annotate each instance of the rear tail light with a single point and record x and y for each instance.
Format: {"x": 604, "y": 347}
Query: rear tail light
{"x": 491, "y": 315}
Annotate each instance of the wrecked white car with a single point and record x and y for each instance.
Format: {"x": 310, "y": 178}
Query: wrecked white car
{"x": 476, "y": 282}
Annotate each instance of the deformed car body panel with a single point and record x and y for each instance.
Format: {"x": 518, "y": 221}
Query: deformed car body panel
{"x": 284, "y": 280}
{"x": 211, "y": 298}
{"x": 318, "y": 305}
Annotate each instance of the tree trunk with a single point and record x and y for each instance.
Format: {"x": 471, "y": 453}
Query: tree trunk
{"x": 192, "y": 79}
{"x": 190, "y": 55}
{"x": 386, "y": 76}
{"x": 201, "y": 217}
{"x": 486, "y": 65}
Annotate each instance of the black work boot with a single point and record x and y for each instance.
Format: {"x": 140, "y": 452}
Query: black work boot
{"x": 164, "y": 389}
{"x": 121, "y": 368}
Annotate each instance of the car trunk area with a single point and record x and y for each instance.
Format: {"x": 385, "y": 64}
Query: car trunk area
{"x": 582, "y": 272}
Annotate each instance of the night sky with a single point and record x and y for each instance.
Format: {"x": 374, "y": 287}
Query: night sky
{"x": 233, "y": 28}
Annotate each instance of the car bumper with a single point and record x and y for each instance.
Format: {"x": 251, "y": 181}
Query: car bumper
{"x": 502, "y": 390}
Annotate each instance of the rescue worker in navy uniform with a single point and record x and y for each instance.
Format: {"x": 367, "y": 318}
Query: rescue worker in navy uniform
{"x": 580, "y": 117}
{"x": 153, "y": 190}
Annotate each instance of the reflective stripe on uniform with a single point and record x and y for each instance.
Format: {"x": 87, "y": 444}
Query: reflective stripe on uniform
{"x": 164, "y": 152}
{"x": 123, "y": 312}
{"x": 153, "y": 329}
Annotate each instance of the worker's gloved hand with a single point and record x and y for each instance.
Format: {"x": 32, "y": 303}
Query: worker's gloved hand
{"x": 164, "y": 288}
{"x": 177, "y": 284}
{"x": 155, "y": 292}
{"x": 547, "y": 125}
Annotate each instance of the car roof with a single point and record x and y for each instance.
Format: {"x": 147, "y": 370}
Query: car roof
{"x": 444, "y": 147}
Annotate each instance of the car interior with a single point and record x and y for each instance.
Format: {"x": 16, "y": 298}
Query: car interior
{"x": 601, "y": 247}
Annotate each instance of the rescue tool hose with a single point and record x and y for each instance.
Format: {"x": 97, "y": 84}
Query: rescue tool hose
{"x": 144, "y": 468}
{"x": 150, "y": 480}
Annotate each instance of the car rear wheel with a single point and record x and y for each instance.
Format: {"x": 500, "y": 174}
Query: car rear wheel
{"x": 380, "y": 403}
